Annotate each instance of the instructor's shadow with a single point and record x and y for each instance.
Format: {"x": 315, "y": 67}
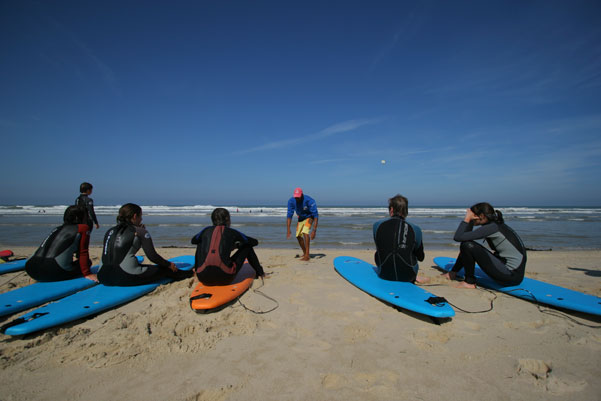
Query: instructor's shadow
{"x": 588, "y": 272}
{"x": 314, "y": 255}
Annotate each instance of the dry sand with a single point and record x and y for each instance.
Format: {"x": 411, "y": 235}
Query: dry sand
{"x": 327, "y": 340}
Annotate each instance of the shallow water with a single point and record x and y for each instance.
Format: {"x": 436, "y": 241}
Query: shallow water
{"x": 339, "y": 227}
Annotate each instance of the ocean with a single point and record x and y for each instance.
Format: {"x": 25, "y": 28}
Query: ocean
{"x": 541, "y": 228}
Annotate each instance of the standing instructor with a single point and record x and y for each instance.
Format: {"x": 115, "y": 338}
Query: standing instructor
{"x": 306, "y": 210}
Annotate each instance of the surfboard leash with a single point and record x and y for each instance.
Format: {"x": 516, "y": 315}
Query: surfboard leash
{"x": 465, "y": 310}
{"x": 16, "y": 276}
{"x": 553, "y": 312}
{"x": 479, "y": 311}
{"x": 277, "y": 304}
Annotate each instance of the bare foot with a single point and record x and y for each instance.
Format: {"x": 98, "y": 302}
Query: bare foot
{"x": 449, "y": 275}
{"x": 463, "y": 284}
{"x": 306, "y": 258}
{"x": 422, "y": 280}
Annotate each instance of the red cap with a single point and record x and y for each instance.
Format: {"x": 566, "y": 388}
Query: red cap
{"x": 298, "y": 193}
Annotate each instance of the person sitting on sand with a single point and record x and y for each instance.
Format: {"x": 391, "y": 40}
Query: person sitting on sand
{"x": 506, "y": 264}
{"x": 399, "y": 244}
{"x": 53, "y": 260}
{"x": 120, "y": 267}
{"x": 214, "y": 263}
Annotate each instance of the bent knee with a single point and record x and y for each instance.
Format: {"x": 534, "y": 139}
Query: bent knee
{"x": 468, "y": 245}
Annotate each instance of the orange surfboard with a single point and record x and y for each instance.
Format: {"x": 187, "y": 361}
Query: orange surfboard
{"x": 210, "y": 298}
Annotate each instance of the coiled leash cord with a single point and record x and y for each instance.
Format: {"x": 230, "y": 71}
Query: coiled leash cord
{"x": 277, "y": 304}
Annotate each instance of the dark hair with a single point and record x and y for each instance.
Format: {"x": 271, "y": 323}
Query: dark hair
{"x": 488, "y": 211}
{"x": 399, "y": 205}
{"x": 74, "y": 215}
{"x": 220, "y": 217}
{"x": 127, "y": 211}
{"x": 85, "y": 187}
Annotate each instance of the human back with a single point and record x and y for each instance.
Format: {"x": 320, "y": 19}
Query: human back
{"x": 214, "y": 262}
{"x": 399, "y": 244}
{"x": 396, "y": 242}
{"x": 120, "y": 266}
{"x": 53, "y": 260}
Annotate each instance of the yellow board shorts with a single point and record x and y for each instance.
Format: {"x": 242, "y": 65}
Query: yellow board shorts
{"x": 304, "y": 227}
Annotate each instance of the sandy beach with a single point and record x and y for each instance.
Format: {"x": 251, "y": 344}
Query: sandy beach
{"x": 327, "y": 340}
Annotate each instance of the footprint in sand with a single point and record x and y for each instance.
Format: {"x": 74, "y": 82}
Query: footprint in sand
{"x": 592, "y": 342}
{"x": 541, "y": 373}
{"x": 333, "y": 381}
{"x": 356, "y": 333}
{"x": 539, "y": 326}
{"x": 427, "y": 340}
{"x": 375, "y": 383}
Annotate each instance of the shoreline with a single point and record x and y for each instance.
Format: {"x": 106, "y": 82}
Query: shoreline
{"x": 326, "y": 340}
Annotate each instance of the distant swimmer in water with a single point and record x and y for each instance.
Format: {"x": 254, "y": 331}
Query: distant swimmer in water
{"x": 399, "y": 244}
{"x": 53, "y": 260}
{"x": 120, "y": 266}
{"x": 214, "y": 263}
{"x": 506, "y": 263}
{"x": 306, "y": 210}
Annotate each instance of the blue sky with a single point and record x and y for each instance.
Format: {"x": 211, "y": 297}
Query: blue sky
{"x": 238, "y": 102}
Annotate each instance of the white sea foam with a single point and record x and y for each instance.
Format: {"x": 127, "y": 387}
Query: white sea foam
{"x": 267, "y": 211}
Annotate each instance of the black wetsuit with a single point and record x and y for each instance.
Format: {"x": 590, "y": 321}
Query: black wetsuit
{"x": 225, "y": 267}
{"x": 508, "y": 262}
{"x": 84, "y": 200}
{"x": 53, "y": 260}
{"x": 120, "y": 266}
{"x": 399, "y": 246}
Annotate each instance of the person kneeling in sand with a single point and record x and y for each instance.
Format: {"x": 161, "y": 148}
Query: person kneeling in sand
{"x": 506, "y": 264}
{"x": 399, "y": 244}
{"x": 120, "y": 267}
{"x": 214, "y": 263}
{"x": 53, "y": 260}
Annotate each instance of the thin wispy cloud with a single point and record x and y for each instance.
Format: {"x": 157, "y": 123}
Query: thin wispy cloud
{"x": 106, "y": 73}
{"x": 327, "y": 161}
{"x": 534, "y": 75}
{"x": 346, "y": 126}
{"x": 407, "y": 29}
{"x": 559, "y": 168}
{"x": 8, "y": 123}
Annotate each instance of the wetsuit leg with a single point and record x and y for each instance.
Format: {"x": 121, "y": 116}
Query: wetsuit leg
{"x": 115, "y": 276}
{"x": 213, "y": 275}
{"x": 472, "y": 253}
{"x": 41, "y": 269}
{"x": 247, "y": 252}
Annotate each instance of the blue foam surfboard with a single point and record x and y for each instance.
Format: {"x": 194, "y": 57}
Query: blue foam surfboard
{"x": 87, "y": 302}
{"x": 41, "y": 292}
{"x": 13, "y": 266}
{"x": 535, "y": 290}
{"x": 405, "y": 295}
